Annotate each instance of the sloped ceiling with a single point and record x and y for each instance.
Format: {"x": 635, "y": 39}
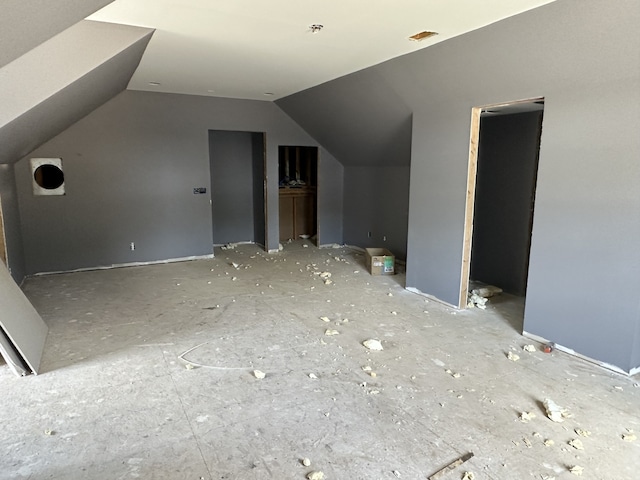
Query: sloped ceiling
{"x": 63, "y": 79}
{"x": 359, "y": 118}
{"x": 25, "y": 24}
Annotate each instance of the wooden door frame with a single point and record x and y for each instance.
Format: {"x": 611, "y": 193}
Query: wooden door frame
{"x": 4, "y": 254}
{"x": 472, "y": 171}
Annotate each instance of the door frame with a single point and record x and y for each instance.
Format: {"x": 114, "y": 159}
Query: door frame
{"x": 472, "y": 170}
{"x": 4, "y": 254}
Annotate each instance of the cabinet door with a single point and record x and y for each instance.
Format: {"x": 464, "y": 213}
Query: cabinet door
{"x": 286, "y": 217}
{"x": 304, "y": 207}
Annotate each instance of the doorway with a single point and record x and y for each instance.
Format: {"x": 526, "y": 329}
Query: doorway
{"x": 503, "y": 165}
{"x": 3, "y": 241}
{"x": 238, "y": 193}
{"x": 297, "y": 192}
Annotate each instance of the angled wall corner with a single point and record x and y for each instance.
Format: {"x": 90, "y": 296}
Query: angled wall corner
{"x": 51, "y": 87}
{"x": 25, "y": 25}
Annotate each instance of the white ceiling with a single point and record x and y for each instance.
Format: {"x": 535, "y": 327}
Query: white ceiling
{"x": 249, "y": 48}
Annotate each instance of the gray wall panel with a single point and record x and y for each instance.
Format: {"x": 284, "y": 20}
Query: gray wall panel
{"x": 12, "y": 228}
{"x": 377, "y": 201}
{"x": 26, "y": 24}
{"x": 130, "y": 168}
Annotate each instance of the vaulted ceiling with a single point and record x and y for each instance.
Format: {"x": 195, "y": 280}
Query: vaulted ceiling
{"x": 61, "y": 60}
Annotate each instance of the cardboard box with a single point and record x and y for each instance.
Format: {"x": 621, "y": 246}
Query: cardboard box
{"x": 380, "y": 261}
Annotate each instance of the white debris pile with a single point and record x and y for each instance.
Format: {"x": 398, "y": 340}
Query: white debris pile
{"x": 259, "y": 374}
{"x": 315, "y": 476}
{"x": 554, "y": 411}
{"x": 480, "y": 296}
{"x": 372, "y": 344}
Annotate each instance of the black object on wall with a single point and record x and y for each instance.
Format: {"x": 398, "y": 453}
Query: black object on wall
{"x": 505, "y": 190}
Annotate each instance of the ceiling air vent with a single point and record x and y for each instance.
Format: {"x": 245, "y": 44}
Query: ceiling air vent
{"x": 422, "y": 35}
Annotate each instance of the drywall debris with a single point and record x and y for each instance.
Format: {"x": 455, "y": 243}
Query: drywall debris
{"x": 390, "y": 295}
{"x": 394, "y": 313}
{"x": 513, "y": 357}
{"x": 577, "y": 470}
{"x": 235, "y": 265}
{"x": 487, "y": 291}
{"x": 554, "y": 411}
{"x": 529, "y": 348}
{"x": 454, "y": 375}
{"x": 258, "y": 374}
{"x": 396, "y": 473}
{"x": 228, "y": 246}
{"x": 468, "y": 476}
{"x": 314, "y": 376}
{"x": 536, "y": 434}
{"x": 373, "y": 344}
{"x": 526, "y": 417}
{"x": 583, "y": 433}
{"x": 189, "y": 366}
{"x": 49, "y": 432}
{"x": 315, "y": 476}
{"x": 577, "y": 444}
{"x": 325, "y": 275}
{"x": 549, "y": 443}
{"x": 547, "y": 477}
{"x": 306, "y": 462}
{"x": 366, "y": 368}
{"x": 328, "y": 281}
{"x": 325, "y": 319}
{"x": 305, "y": 246}
{"x": 629, "y": 437}
{"x": 330, "y": 332}
{"x": 477, "y": 301}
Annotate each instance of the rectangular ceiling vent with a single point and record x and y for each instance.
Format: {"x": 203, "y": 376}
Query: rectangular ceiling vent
{"x": 422, "y": 36}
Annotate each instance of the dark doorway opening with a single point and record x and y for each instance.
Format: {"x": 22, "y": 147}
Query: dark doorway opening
{"x": 298, "y": 192}
{"x": 238, "y": 200}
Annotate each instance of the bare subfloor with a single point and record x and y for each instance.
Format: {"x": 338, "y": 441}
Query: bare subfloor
{"x": 116, "y": 401}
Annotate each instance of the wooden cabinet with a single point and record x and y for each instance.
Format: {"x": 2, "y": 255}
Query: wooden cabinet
{"x": 298, "y": 173}
{"x": 297, "y": 212}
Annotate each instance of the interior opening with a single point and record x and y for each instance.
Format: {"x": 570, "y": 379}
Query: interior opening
{"x": 508, "y": 146}
{"x": 237, "y": 171}
{"x": 297, "y": 186}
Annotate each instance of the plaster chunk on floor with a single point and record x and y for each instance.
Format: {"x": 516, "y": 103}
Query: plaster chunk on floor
{"x": 577, "y": 470}
{"x": 629, "y": 437}
{"x": 549, "y": 443}
{"x": 306, "y": 462}
{"x": 554, "y": 411}
{"x": 577, "y": 444}
{"x": 513, "y": 357}
{"x": 526, "y": 417}
{"x": 529, "y": 348}
{"x": 315, "y": 476}
{"x": 583, "y": 433}
{"x": 468, "y": 476}
{"x": 330, "y": 332}
{"x": 259, "y": 374}
{"x": 325, "y": 319}
{"x": 372, "y": 344}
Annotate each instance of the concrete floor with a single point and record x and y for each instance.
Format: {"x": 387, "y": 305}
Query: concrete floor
{"x": 115, "y": 400}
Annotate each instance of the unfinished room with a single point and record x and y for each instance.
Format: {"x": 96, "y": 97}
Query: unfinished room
{"x": 320, "y": 240}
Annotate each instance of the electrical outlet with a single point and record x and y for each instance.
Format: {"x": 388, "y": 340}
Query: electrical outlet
{"x": 132, "y": 246}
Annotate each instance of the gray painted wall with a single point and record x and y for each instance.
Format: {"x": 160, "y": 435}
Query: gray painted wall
{"x": 505, "y": 184}
{"x": 232, "y": 185}
{"x": 60, "y": 81}
{"x": 12, "y": 228}
{"x": 376, "y": 200}
{"x": 584, "y": 261}
{"x": 130, "y": 168}
{"x": 26, "y": 24}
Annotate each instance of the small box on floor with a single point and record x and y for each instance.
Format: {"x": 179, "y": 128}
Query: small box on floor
{"x": 380, "y": 261}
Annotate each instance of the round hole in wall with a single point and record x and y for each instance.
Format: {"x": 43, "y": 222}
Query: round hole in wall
{"x": 48, "y": 176}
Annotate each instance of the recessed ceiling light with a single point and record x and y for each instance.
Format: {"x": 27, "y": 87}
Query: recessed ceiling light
{"x": 154, "y": 84}
{"x": 316, "y": 27}
{"x": 422, "y": 35}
